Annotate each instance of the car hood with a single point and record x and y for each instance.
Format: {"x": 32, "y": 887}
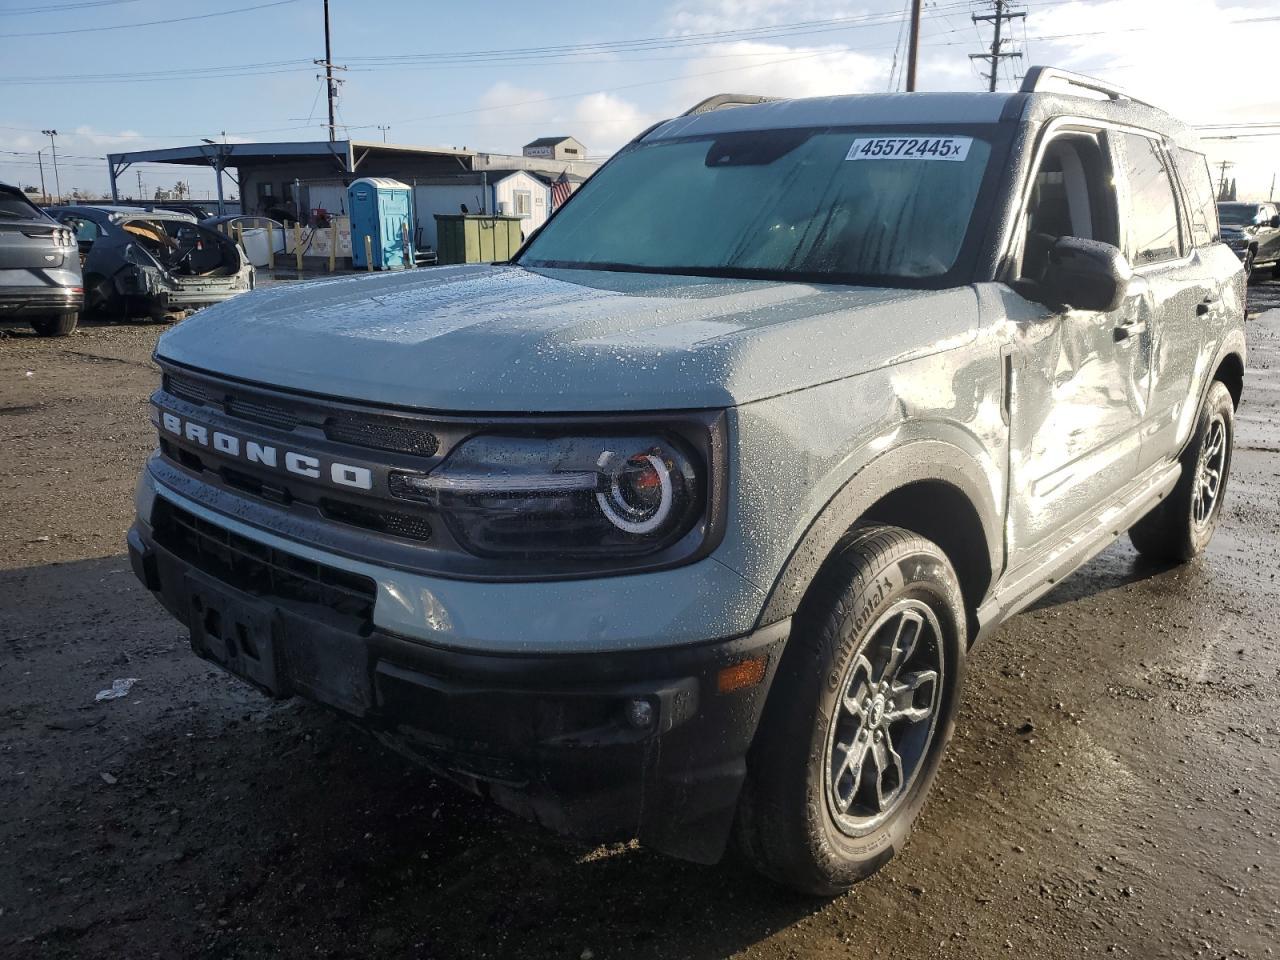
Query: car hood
{"x": 509, "y": 339}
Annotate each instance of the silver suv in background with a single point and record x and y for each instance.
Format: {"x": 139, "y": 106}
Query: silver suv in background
{"x": 39, "y": 267}
{"x": 679, "y": 525}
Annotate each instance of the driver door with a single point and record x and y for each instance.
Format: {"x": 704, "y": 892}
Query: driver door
{"x": 1078, "y": 378}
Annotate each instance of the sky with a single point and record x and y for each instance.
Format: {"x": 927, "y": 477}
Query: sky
{"x": 497, "y": 74}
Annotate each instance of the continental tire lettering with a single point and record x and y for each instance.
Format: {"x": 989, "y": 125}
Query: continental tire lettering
{"x": 884, "y": 585}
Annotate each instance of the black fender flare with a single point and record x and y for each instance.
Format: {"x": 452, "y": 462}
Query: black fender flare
{"x": 912, "y": 462}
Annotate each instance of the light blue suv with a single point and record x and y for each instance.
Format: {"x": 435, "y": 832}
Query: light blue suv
{"x": 678, "y": 526}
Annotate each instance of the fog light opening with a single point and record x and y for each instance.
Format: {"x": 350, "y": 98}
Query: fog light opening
{"x": 640, "y": 713}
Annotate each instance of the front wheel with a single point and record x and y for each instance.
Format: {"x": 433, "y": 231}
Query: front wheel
{"x": 1181, "y": 527}
{"x": 1248, "y": 265}
{"x": 859, "y": 715}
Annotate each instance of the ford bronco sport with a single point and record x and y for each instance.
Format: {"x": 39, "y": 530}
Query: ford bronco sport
{"x": 679, "y": 525}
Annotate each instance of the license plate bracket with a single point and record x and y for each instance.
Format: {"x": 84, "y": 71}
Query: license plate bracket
{"x": 237, "y": 632}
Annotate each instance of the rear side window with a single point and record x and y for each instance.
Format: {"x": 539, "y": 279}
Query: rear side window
{"x": 1152, "y": 211}
{"x": 14, "y": 206}
{"x": 1193, "y": 171}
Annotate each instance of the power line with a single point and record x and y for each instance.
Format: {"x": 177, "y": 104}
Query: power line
{"x": 145, "y": 23}
{"x": 47, "y": 8}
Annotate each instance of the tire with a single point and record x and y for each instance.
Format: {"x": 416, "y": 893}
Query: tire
{"x": 59, "y": 326}
{"x": 882, "y": 589}
{"x": 1181, "y": 527}
{"x": 1248, "y": 265}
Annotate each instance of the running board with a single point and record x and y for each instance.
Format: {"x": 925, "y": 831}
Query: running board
{"x": 1023, "y": 586}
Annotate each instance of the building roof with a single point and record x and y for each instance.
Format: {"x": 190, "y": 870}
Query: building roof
{"x": 233, "y": 154}
{"x": 548, "y": 141}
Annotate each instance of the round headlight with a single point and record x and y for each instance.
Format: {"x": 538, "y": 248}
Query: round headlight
{"x": 639, "y": 495}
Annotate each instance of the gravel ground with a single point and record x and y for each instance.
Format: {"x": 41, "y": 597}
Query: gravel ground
{"x": 1113, "y": 786}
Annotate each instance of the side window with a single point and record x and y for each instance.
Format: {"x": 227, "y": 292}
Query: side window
{"x": 1193, "y": 170}
{"x": 523, "y": 203}
{"x": 86, "y": 230}
{"x": 1072, "y": 195}
{"x": 1152, "y": 210}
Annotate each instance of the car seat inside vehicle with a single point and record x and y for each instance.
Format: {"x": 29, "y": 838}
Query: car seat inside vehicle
{"x": 1071, "y": 196}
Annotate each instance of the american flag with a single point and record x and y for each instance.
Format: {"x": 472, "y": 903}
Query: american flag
{"x": 560, "y": 190}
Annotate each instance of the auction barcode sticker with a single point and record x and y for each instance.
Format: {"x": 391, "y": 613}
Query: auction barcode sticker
{"x": 910, "y": 148}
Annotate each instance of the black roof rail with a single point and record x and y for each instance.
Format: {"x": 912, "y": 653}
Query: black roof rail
{"x": 722, "y": 100}
{"x": 1038, "y": 78}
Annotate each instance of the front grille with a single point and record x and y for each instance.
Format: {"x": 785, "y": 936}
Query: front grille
{"x": 371, "y": 518}
{"x": 191, "y": 391}
{"x": 258, "y": 569}
{"x": 269, "y": 414}
{"x": 382, "y": 433}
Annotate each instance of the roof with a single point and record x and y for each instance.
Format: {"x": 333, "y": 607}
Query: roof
{"x": 906, "y": 109}
{"x": 548, "y": 141}
{"x": 233, "y": 154}
{"x": 117, "y": 213}
{"x": 382, "y": 183}
{"x": 494, "y": 174}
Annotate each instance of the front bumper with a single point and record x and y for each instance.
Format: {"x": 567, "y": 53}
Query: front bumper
{"x": 550, "y": 736}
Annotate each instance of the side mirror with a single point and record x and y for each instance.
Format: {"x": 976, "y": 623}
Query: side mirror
{"x": 1087, "y": 274}
{"x": 1275, "y": 223}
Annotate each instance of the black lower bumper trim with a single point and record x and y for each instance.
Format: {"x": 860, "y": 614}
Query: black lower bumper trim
{"x": 601, "y": 746}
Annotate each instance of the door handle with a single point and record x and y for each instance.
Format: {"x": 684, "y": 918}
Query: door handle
{"x": 1128, "y": 330}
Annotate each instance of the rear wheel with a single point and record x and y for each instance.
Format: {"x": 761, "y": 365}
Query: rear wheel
{"x": 1182, "y": 526}
{"x": 59, "y": 326}
{"x": 859, "y": 715}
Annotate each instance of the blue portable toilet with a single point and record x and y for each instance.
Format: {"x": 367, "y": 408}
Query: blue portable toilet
{"x": 381, "y": 209}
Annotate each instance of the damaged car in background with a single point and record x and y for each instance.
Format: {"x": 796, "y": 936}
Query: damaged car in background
{"x": 154, "y": 262}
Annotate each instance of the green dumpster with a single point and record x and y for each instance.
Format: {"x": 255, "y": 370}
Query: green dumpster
{"x": 476, "y": 238}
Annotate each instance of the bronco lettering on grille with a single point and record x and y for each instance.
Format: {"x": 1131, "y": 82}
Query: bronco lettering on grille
{"x": 301, "y": 464}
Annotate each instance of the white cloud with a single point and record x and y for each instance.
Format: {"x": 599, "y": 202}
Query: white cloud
{"x": 85, "y": 135}
{"x": 608, "y": 122}
{"x": 506, "y": 102}
{"x": 782, "y": 71}
{"x": 705, "y": 16}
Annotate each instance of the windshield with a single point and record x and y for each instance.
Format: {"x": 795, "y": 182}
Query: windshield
{"x": 816, "y": 204}
{"x": 1237, "y": 214}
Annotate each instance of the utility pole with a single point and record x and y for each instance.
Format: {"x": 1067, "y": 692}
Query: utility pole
{"x": 913, "y": 46}
{"x": 1222, "y": 179}
{"x": 141, "y": 195}
{"x": 57, "y": 186}
{"x": 44, "y": 194}
{"x": 1272, "y": 194}
{"x": 331, "y": 84}
{"x": 384, "y": 130}
{"x": 997, "y": 18}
